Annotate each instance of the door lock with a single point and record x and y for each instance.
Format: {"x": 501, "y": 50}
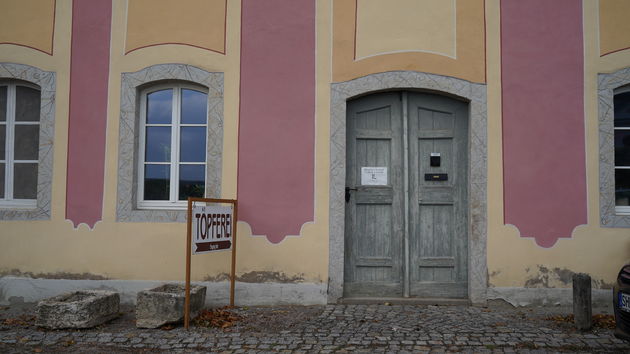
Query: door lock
{"x": 348, "y": 189}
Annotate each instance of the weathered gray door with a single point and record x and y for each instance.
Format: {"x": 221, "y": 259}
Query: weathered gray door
{"x": 374, "y": 213}
{"x": 406, "y": 235}
{"x": 438, "y": 223}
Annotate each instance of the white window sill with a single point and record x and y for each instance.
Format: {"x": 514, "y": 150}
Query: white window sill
{"x": 19, "y": 204}
{"x": 163, "y": 206}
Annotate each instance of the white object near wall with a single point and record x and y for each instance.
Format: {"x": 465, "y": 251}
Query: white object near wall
{"x": 374, "y": 176}
{"x": 211, "y": 228}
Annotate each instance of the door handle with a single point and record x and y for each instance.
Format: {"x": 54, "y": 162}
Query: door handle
{"x": 348, "y": 189}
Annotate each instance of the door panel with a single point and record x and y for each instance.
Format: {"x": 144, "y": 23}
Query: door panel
{"x": 374, "y": 214}
{"x": 437, "y": 213}
{"x": 438, "y": 238}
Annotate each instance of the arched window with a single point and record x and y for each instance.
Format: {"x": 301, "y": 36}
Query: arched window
{"x": 170, "y": 141}
{"x": 172, "y": 145}
{"x": 19, "y": 143}
{"x": 622, "y": 149}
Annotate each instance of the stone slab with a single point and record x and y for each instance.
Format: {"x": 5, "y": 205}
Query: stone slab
{"x": 78, "y": 309}
{"x": 165, "y": 304}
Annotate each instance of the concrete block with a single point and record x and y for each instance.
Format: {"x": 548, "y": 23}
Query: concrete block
{"x": 165, "y": 304}
{"x": 78, "y": 309}
{"x": 582, "y": 307}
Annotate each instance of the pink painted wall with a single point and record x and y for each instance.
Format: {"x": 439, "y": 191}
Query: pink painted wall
{"x": 277, "y": 116}
{"x": 89, "y": 73}
{"x": 543, "y": 117}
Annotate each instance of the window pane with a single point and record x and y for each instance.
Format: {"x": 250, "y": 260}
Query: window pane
{"x": 3, "y": 141}
{"x": 25, "y": 181}
{"x": 26, "y": 104}
{"x": 158, "y": 147}
{"x": 159, "y": 107}
{"x": 622, "y": 187}
{"x": 622, "y": 147}
{"x": 192, "y": 181}
{"x": 193, "y": 107}
{"x": 2, "y": 168}
{"x": 157, "y": 182}
{"x": 192, "y": 146}
{"x": 26, "y": 142}
{"x": 3, "y": 103}
{"x": 622, "y": 109}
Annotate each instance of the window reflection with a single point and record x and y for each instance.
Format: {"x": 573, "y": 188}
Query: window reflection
{"x": 158, "y": 146}
{"x": 622, "y": 187}
{"x": 193, "y": 144}
{"x": 174, "y": 142}
{"x": 159, "y": 107}
{"x": 622, "y": 109}
{"x": 622, "y": 147}
{"x": 194, "y": 105}
{"x": 191, "y": 181}
{"x": 157, "y": 182}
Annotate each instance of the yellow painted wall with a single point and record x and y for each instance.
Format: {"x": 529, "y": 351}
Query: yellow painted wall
{"x": 356, "y": 53}
{"x": 406, "y": 27}
{"x": 28, "y": 23}
{"x": 514, "y": 261}
{"x": 614, "y": 27}
{"x": 199, "y": 23}
{"x": 157, "y": 250}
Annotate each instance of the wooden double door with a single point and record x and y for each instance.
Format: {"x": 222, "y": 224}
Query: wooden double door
{"x": 406, "y": 225}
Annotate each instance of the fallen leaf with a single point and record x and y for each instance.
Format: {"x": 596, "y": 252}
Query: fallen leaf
{"x": 599, "y": 320}
{"x": 219, "y": 318}
{"x": 604, "y": 321}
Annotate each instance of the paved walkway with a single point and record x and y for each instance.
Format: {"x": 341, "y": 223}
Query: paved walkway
{"x": 336, "y": 328}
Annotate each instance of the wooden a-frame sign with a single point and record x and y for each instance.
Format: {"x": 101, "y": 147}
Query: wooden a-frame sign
{"x": 214, "y": 230}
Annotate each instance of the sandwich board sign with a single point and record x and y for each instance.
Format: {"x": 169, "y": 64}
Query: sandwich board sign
{"x": 211, "y": 228}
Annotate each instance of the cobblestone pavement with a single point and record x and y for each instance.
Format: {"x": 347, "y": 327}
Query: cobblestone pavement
{"x": 334, "y": 328}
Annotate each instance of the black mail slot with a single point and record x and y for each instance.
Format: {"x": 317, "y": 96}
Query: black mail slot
{"x": 436, "y": 176}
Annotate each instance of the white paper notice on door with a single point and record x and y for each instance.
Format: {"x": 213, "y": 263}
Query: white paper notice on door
{"x": 374, "y": 176}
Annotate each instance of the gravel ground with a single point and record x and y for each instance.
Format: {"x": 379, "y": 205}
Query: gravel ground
{"x": 330, "y": 328}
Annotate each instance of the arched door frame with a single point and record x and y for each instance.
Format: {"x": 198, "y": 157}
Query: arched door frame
{"x": 477, "y": 169}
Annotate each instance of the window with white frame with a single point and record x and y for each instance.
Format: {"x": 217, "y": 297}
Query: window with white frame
{"x": 19, "y": 143}
{"x": 172, "y": 145}
{"x": 622, "y": 149}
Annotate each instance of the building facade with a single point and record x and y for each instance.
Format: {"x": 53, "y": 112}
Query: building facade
{"x": 459, "y": 149}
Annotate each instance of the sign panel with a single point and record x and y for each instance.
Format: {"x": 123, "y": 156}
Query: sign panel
{"x": 374, "y": 176}
{"x": 211, "y": 228}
